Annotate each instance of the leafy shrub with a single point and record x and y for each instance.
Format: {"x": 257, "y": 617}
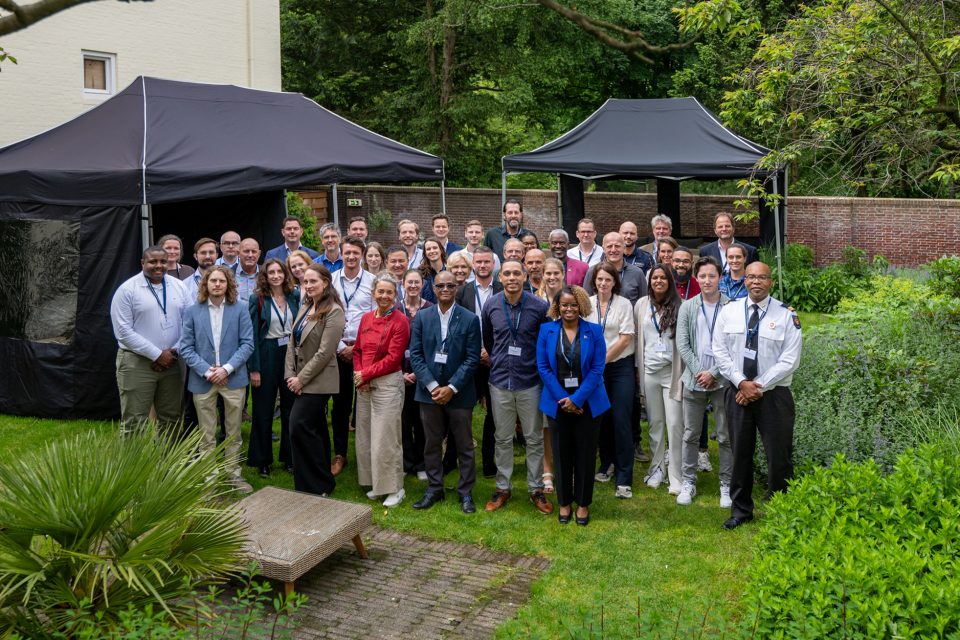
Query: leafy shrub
{"x": 945, "y": 276}
{"x": 297, "y": 208}
{"x": 851, "y": 553}
{"x": 890, "y": 353}
{"x": 98, "y": 524}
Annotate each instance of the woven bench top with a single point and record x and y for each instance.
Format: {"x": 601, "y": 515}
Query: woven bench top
{"x": 291, "y": 532}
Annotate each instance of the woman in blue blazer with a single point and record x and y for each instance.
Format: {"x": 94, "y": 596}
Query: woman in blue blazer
{"x": 571, "y": 354}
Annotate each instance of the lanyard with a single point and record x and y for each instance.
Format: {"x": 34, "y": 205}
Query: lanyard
{"x": 686, "y": 291}
{"x": 281, "y": 318}
{"x": 298, "y": 331}
{"x": 653, "y": 315}
{"x": 163, "y": 305}
{"x": 602, "y": 320}
{"x": 514, "y": 330}
{"x": 589, "y": 257}
{"x": 343, "y": 286}
{"x": 746, "y": 318}
{"x": 573, "y": 346}
{"x": 716, "y": 312}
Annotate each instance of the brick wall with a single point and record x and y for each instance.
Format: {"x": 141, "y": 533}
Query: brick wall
{"x": 880, "y": 226}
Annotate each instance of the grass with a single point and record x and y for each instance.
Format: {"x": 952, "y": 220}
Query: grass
{"x": 642, "y": 567}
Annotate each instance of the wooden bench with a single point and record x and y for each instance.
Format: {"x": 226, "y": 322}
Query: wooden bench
{"x": 291, "y": 532}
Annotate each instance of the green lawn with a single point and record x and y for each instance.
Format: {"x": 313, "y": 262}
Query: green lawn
{"x": 646, "y": 553}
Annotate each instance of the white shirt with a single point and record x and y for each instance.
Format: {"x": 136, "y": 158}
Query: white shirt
{"x": 444, "y": 328}
{"x": 216, "y": 328}
{"x": 617, "y": 321}
{"x": 356, "y": 295}
{"x": 413, "y": 262}
{"x": 655, "y": 358}
{"x": 140, "y": 324}
{"x": 778, "y": 342}
{"x": 192, "y": 285}
{"x": 278, "y": 327}
{"x": 704, "y": 342}
{"x": 590, "y": 257}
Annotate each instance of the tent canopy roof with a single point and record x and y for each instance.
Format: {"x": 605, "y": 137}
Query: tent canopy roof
{"x": 673, "y": 138}
{"x": 191, "y": 140}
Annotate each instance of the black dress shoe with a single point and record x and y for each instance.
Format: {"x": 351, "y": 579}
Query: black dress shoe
{"x": 564, "y": 518}
{"x": 734, "y": 522}
{"x": 429, "y": 499}
{"x": 584, "y": 521}
{"x": 467, "y": 505}
{"x": 264, "y": 471}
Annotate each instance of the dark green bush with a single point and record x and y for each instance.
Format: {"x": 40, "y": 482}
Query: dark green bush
{"x": 945, "y": 276}
{"x": 850, "y": 552}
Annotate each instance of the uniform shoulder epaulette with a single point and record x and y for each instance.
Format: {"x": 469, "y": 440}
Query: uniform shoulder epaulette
{"x": 793, "y": 314}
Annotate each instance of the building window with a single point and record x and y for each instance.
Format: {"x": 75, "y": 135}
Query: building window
{"x": 99, "y": 73}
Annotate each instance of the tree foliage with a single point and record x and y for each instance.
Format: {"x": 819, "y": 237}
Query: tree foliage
{"x": 863, "y": 93}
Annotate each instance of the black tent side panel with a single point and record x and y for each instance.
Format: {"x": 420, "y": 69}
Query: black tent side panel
{"x": 56, "y": 340}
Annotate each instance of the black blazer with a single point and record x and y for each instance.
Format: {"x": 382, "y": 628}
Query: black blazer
{"x": 713, "y": 250}
{"x": 467, "y": 295}
{"x": 260, "y": 315}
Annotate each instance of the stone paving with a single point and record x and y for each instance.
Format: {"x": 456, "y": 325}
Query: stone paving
{"x": 410, "y": 587}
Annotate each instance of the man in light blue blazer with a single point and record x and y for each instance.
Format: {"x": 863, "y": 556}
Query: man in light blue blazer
{"x": 445, "y": 353}
{"x": 216, "y": 342}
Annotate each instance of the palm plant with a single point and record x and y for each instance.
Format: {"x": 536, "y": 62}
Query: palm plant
{"x": 97, "y": 524}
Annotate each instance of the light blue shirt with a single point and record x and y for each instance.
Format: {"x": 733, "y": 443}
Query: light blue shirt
{"x": 141, "y": 322}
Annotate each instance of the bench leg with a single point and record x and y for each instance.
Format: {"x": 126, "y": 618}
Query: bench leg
{"x": 287, "y": 588}
{"x": 358, "y": 543}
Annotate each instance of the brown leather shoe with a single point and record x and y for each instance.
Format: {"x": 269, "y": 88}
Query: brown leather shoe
{"x": 339, "y": 462}
{"x": 541, "y": 503}
{"x": 498, "y": 500}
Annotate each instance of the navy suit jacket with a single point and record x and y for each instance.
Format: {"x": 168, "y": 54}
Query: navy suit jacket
{"x": 236, "y": 344}
{"x": 467, "y": 295}
{"x": 280, "y": 253}
{"x": 593, "y": 353}
{"x": 713, "y": 250}
{"x": 463, "y": 354}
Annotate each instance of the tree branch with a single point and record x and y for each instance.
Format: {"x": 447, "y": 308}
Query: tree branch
{"x": 23, "y": 15}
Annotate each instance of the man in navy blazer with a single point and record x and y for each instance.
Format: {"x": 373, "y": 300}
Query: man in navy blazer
{"x": 216, "y": 342}
{"x": 723, "y": 227}
{"x": 292, "y": 232}
{"x": 444, "y": 353}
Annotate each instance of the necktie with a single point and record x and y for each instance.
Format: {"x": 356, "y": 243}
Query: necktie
{"x": 750, "y": 364}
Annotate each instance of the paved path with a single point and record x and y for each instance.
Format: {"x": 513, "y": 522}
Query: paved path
{"x": 414, "y": 588}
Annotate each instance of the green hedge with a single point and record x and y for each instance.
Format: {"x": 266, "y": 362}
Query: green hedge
{"x": 850, "y": 552}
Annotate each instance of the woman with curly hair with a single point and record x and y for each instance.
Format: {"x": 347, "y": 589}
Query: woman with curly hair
{"x": 658, "y": 369}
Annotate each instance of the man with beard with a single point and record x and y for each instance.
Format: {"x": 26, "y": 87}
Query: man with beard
{"x": 682, "y": 266}
{"x": 575, "y": 270}
{"x": 632, "y": 254}
{"x": 205, "y": 253}
{"x": 512, "y": 227}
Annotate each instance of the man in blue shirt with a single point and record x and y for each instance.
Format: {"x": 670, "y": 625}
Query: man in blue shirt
{"x": 292, "y": 232}
{"x": 511, "y": 323}
{"x": 331, "y": 257}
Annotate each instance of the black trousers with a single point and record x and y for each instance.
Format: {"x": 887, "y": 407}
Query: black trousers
{"x": 454, "y": 423}
{"x": 343, "y": 408}
{"x": 616, "y": 425}
{"x": 310, "y": 442}
{"x": 488, "y": 441}
{"x": 773, "y": 416}
{"x": 412, "y": 431}
{"x": 574, "y": 440}
{"x": 260, "y": 449}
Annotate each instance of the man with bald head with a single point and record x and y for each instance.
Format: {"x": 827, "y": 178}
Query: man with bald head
{"x": 533, "y": 264}
{"x": 229, "y": 250}
{"x": 247, "y": 269}
{"x": 632, "y": 254}
{"x": 633, "y": 284}
{"x": 756, "y": 344}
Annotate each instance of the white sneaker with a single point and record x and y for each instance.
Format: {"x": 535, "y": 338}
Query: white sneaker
{"x": 422, "y": 475}
{"x": 674, "y": 490}
{"x": 725, "y": 501}
{"x": 703, "y": 462}
{"x": 394, "y": 499}
{"x": 372, "y": 495}
{"x": 605, "y": 476}
{"x": 623, "y": 491}
{"x": 655, "y": 478}
{"x": 686, "y": 493}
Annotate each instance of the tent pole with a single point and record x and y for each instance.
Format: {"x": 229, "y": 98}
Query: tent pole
{"x": 336, "y": 213}
{"x": 776, "y": 228}
{"x": 503, "y": 190}
{"x": 146, "y": 226}
{"x": 443, "y": 196}
{"x": 559, "y": 204}
{"x": 786, "y": 182}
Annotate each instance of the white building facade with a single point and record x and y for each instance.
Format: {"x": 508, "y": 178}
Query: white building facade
{"x": 75, "y": 59}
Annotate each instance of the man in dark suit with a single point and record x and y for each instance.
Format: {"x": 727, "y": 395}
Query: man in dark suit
{"x": 723, "y": 227}
{"x": 292, "y": 232}
{"x": 445, "y": 353}
{"x": 472, "y": 296}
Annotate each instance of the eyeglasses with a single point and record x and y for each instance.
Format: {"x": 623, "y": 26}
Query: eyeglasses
{"x": 444, "y": 285}
{"x": 230, "y": 242}
{"x": 756, "y": 278}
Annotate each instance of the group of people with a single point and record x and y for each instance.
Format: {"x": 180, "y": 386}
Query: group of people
{"x": 563, "y": 348}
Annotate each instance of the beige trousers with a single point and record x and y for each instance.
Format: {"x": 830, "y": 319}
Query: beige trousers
{"x": 378, "y": 441}
{"x": 206, "y": 404}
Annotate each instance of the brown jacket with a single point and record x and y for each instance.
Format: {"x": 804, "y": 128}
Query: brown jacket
{"x": 316, "y": 363}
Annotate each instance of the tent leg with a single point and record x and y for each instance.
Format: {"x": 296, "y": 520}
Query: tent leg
{"x": 146, "y": 225}
{"x": 443, "y": 196}
{"x": 503, "y": 190}
{"x": 336, "y": 213}
{"x": 776, "y": 228}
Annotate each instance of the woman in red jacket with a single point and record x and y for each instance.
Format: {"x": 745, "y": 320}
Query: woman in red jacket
{"x": 382, "y": 337}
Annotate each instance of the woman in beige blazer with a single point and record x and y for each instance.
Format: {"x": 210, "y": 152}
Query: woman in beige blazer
{"x": 312, "y": 375}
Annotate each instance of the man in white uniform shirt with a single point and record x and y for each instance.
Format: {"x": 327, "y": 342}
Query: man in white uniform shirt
{"x": 355, "y": 287}
{"x": 146, "y": 312}
{"x": 756, "y": 344}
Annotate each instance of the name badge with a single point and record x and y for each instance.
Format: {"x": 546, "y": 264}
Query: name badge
{"x": 661, "y": 347}
{"x": 440, "y": 358}
{"x": 514, "y": 351}
{"x": 282, "y": 342}
{"x": 571, "y": 383}
{"x": 165, "y": 322}
{"x": 750, "y": 354}
{"x": 406, "y": 354}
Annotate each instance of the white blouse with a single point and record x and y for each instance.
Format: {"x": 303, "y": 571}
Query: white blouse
{"x": 617, "y": 320}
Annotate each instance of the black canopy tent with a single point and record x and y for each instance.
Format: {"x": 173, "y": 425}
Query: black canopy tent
{"x": 80, "y": 201}
{"x": 670, "y": 140}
